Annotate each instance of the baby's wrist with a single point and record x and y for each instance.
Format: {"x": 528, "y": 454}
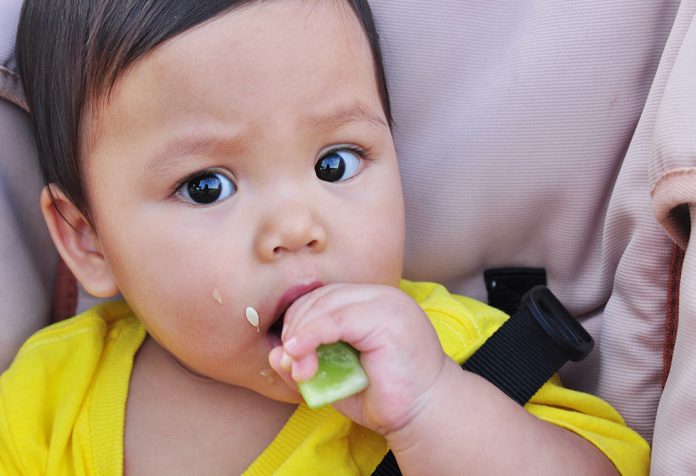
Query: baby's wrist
{"x": 426, "y": 416}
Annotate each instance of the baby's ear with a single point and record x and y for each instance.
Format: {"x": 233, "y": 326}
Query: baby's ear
{"x": 77, "y": 243}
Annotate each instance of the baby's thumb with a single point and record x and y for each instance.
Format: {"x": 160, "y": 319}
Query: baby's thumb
{"x": 281, "y": 363}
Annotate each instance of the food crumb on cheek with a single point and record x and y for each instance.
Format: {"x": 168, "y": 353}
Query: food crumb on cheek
{"x": 253, "y": 317}
{"x": 217, "y": 296}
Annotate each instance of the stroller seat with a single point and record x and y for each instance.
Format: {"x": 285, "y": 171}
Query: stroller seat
{"x": 558, "y": 137}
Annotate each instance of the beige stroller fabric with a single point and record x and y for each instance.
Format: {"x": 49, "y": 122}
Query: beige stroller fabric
{"x": 672, "y": 150}
{"x": 559, "y": 135}
{"x": 514, "y": 131}
{"x": 27, "y": 256}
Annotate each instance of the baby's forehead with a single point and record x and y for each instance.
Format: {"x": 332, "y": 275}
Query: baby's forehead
{"x": 250, "y": 64}
{"x": 252, "y": 27}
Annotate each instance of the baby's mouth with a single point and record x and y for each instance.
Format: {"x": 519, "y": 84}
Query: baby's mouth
{"x": 277, "y": 327}
{"x": 286, "y": 300}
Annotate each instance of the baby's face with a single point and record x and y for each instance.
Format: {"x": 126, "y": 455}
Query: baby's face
{"x": 244, "y": 163}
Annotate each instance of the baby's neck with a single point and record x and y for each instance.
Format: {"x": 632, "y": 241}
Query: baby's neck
{"x": 176, "y": 419}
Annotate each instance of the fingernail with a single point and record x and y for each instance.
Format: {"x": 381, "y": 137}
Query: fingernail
{"x": 291, "y": 345}
{"x": 295, "y": 373}
{"x": 286, "y": 362}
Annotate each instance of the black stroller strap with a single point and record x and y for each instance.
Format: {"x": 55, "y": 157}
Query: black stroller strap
{"x": 524, "y": 352}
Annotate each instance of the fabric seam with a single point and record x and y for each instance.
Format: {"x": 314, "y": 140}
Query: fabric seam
{"x": 15, "y": 96}
{"x": 679, "y": 172}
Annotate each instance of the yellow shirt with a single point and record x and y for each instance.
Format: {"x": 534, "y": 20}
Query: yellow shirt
{"x": 63, "y": 400}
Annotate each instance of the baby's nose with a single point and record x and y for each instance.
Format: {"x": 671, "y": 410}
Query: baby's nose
{"x": 290, "y": 229}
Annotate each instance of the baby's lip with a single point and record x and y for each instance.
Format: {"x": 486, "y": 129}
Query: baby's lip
{"x": 291, "y": 295}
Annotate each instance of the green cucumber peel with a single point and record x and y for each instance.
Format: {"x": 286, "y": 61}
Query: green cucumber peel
{"x": 339, "y": 376}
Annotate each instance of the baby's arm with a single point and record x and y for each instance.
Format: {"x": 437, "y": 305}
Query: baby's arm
{"x": 470, "y": 427}
{"x": 437, "y": 418}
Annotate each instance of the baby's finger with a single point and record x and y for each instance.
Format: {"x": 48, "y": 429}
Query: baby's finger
{"x": 281, "y": 363}
{"x": 298, "y": 311}
{"x": 322, "y": 301}
{"x": 311, "y": 336}
{"x": 305, "y": 367}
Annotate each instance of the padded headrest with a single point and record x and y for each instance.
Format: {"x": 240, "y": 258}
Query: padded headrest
{"x": 10, "y": 85}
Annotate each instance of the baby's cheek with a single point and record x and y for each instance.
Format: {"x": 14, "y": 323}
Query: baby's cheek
{"x": 387, "y": 263}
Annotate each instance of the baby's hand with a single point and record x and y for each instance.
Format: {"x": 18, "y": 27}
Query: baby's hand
{"x": 398, "y": 346}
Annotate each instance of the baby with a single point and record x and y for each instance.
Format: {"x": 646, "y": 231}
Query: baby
{"x": 206, "y": 157}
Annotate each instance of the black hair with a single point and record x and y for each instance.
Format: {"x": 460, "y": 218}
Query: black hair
{"x": 71, "y": 52}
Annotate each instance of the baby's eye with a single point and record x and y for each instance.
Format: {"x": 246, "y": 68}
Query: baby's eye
{"x": 338, "y": 165}
{"x": 207, "y": 188}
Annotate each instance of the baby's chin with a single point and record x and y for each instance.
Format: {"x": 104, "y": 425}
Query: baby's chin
{"x": 292, "y": 398}
{"x": 278, "y": 391}
{"x": 271, "y": 386}
{"x": 266, "y": 383}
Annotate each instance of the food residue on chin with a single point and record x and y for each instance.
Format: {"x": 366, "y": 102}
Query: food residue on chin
{"x": 253, "y": 317}
{"x": 268, "y": 374}
{"x": 217, "y": 296}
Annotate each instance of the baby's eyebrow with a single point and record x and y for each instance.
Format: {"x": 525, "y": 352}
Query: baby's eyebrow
{"x": 191, "y": 146}
{"x": 345, "y": 115}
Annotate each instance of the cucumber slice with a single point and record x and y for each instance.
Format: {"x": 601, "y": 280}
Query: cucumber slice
{"x": 340, "y": 375}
